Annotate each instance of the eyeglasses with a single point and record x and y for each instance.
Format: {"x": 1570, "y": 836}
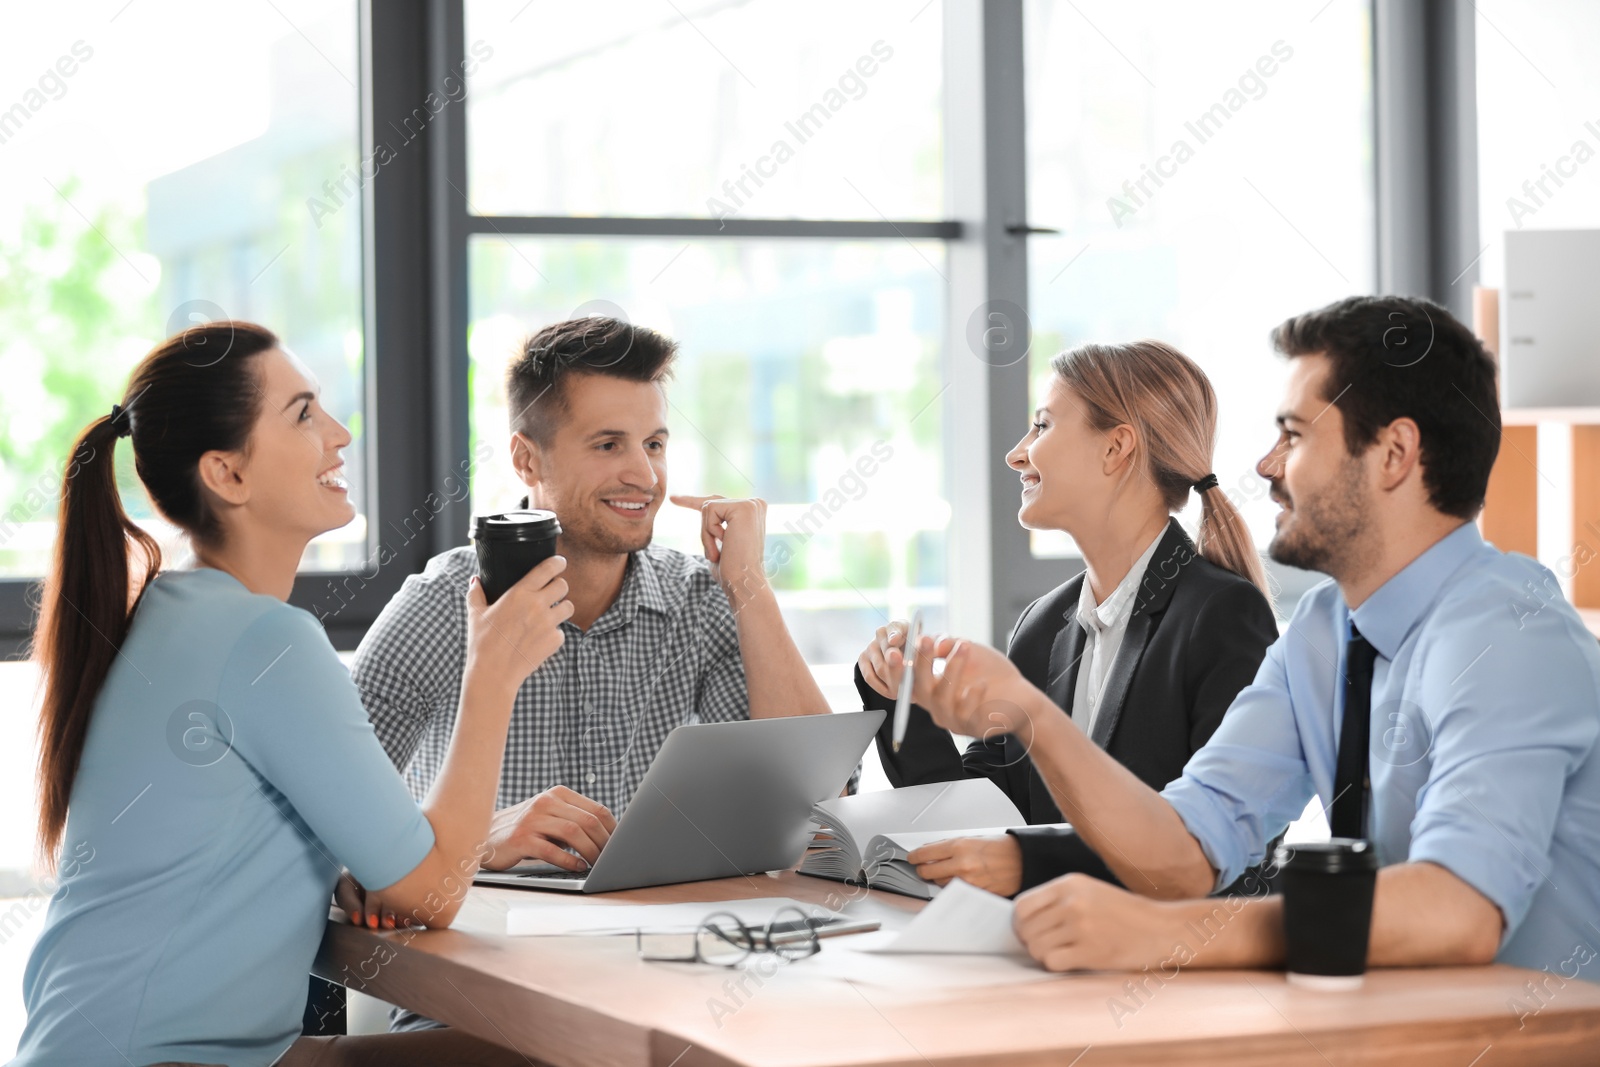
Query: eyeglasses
{"x": 724, "y": 940}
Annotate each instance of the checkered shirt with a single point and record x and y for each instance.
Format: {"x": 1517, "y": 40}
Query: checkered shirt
{"x": 593, "y": 715}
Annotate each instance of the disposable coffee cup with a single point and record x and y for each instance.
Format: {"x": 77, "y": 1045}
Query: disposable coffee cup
{"x": 510, "y": 545}
{"x": 1327, "y": 910}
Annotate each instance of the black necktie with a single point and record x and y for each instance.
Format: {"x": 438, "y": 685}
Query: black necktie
{"x": 1350, "y": 784}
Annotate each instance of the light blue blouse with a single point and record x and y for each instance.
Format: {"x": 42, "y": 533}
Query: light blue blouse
{"x": 229, "y": 774}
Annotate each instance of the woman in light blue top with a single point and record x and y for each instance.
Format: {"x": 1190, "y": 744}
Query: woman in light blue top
{"x": 206, "y": 770}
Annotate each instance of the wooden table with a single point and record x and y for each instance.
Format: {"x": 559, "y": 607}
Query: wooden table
{"x": 589, "y": 1002}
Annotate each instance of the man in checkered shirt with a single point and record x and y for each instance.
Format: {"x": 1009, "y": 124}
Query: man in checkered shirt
{"x": 658, "y": 638}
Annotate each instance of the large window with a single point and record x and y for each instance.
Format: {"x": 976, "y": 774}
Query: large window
{"x": 166, "y": 163}
{"x": 1211, "y": 174}
{"x": 806, "y": 356}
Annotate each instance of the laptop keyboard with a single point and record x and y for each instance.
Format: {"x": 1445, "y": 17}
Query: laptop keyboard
{"x": 553, "y": 874}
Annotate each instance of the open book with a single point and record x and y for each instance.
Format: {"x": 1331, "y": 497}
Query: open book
{"x": 864, "y": 839}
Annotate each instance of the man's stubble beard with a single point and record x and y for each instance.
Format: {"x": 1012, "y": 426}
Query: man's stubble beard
{"x": 1325, "y": 532}
{"x": 593, "y": 538}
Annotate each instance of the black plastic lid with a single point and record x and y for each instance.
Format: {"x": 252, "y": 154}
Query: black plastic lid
{"x": 528, "y": 525}
{"x": 1340, "y": 855}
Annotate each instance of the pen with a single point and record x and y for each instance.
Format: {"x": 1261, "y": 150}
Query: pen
{"x": 902, "y": 704}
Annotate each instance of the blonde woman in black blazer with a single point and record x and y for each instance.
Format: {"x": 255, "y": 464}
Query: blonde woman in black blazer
{"x": 1124, "y": 434}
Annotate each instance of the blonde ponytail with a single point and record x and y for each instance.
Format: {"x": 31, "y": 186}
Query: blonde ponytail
{"x": 1225, "y": 540}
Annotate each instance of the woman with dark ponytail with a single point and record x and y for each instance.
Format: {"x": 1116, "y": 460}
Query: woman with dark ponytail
{"x": 1145, "y": 649}
{"x": 89, "y": 589}
{"x": 207, "y": 775}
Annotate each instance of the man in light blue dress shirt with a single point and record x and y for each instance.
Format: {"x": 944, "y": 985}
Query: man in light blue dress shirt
{"x": 1484, "y": 766}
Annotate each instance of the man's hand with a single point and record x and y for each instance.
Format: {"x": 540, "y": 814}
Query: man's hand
{"x": 980, "y": 694}
{"x": 777, "y": 680}
{"x": 544, "y": 827}
{"x": 992, "y": 863}
{"x": 883, "y": 661}
{"x": 734, "y": 535}
{"x": 1077, "y": 922}
{"x": 1423, "y": 915}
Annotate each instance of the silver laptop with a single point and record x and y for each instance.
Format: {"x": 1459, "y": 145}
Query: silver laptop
{"x": 719, "y": 800}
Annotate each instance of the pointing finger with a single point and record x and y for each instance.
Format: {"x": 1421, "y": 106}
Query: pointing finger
{"x": 694, "y": 503}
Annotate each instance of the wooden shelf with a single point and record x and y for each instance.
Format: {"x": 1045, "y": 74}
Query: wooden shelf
{"x": 1510, "y": 512}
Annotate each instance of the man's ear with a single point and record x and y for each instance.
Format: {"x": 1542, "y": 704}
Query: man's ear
{"x": 223, "y": 473}
{"x": 1121, "y": 444}
{"x": 527, "y": 459}
{"x": 1399, "y": 446}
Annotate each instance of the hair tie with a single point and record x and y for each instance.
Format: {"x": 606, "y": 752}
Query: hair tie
{"x": 120, "y": 421}
{"x": 1208, "y": 482}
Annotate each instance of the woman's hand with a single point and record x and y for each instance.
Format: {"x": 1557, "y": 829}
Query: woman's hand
{"x": 992, "y": 863}
{"x": 509, "y": 639}
{"x": 980, "y": 694}
{"x": 883, "y": 662}
{"x": 365, "y": 909}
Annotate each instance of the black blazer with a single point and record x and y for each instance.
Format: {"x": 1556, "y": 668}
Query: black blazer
{"x": 1195, "y": 637}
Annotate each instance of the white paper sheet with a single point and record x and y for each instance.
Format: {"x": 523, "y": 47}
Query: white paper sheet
{"x": 858, "y": 959}
{"x": 963, "y": 920}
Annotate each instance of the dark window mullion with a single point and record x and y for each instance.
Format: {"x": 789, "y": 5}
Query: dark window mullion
{"x": 399, "y": 420}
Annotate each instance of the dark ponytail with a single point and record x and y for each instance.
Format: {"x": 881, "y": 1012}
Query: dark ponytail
{"x": 194, "y": 393}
